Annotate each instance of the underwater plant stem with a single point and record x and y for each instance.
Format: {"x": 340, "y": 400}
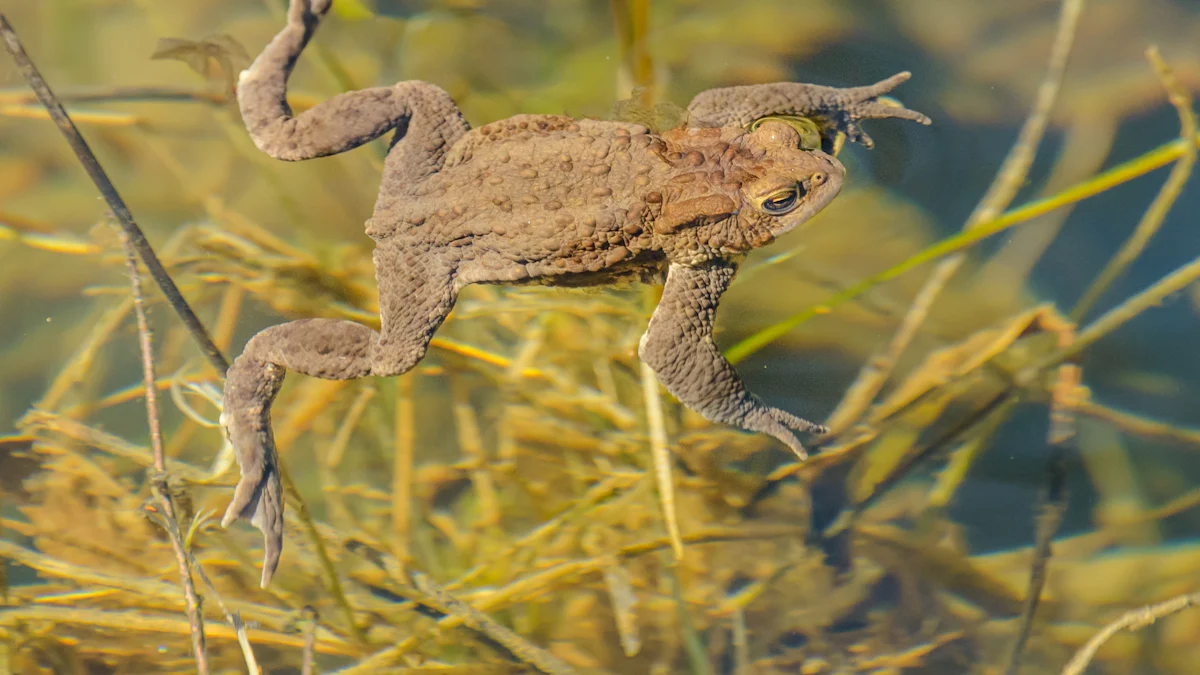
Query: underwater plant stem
{"x": 137, "y": 239}
{"x": 1132, "y": 620}
{"x": 661, "y": 456}
{"x": 1154, "y": 216}
{"x": 1139, "y": 425}
{"x": 521, "y": 648}
{"x": 1052, "y": 506}
{"x": 693, "y": 644}
{"x": 110, "y": 94}
{"x": 1122, "y": 173}
{"x": 1000, "y": 194}
{"x": 402, "y": 470}
{"x": 1114, "y": 318}
{"x": 332, "y": 583}
{"x": 632, "y": 19}
{"x": 159, "y": 481}
{"x": 310, "y": 641}
{"x": 982, "y": 422}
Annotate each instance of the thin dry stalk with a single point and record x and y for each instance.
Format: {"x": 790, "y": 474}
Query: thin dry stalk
{"x": 1004, "y": 187}
{"x": 1052, "y": 501}
{"x": 232, "y": 617}
{"x": 1053, "y": 504}
{"x": 661, "y": 456}
{"x": 159, "y": 480}
{"x": 693, "y": 645}
{"x": 1131, "y": 423}
{"x": 92, "y": 165}
{"x": 333, "y": 583}
{"x": 632, "y": 19}
{"x": 520, "y": 647}
{"x": 310, "y": 641}
{"x": 1132, "y": 620}
{"x": 624, "y": 605}
{"x": 402, "y": 469}
{"x": 741, "y": 643}
{"x": 327, "y": 462}
{"x": 471, "y": 443}
{"x": 1118, "y": 316}
{"x": 1154, "y": 216}
{"x": 113, "y": 94}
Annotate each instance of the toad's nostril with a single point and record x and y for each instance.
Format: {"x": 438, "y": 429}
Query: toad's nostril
{"x": 818, "y": 178}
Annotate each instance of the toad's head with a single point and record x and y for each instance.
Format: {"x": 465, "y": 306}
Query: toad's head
{"x": 738, "y": 189}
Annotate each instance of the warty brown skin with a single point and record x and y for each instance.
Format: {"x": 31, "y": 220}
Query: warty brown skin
{"x": 541, "y": 199}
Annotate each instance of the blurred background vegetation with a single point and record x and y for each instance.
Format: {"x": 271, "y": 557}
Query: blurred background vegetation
{"x": 514, "y": 466}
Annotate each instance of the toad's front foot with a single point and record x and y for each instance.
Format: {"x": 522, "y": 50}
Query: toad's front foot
{"x": 779, "y": 423}
{"x": 834, "y": 109}
{"x": 862, "y": 103}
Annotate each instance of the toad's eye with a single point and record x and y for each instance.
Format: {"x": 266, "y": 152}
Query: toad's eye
{"x": 779, "y": 203}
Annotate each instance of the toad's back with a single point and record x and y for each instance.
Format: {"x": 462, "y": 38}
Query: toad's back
{"x": 534, "y": 196}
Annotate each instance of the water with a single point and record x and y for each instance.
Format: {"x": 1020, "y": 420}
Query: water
{"x": 916, "y": 573}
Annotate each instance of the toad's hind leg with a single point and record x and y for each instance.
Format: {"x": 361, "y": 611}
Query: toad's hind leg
{"x": 414, "y": 300}
{"x": 416, "y": 109}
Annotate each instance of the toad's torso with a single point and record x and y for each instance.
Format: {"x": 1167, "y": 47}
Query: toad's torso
{"x": 554, "y": 200}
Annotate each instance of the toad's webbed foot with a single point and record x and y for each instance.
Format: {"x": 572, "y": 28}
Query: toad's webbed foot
{"x": 834, "y": 109}
{"x": 679, "y": 347}
{"x": 419, "y": 111}
{"x": 336, "y": 350}
{"x": 415, "y": 297}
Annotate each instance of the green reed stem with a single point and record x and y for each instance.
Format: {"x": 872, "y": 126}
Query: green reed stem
{"x": 1122, "y": 173}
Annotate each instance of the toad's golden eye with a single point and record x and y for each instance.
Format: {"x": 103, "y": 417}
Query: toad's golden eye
{"x": 779, "y": 203}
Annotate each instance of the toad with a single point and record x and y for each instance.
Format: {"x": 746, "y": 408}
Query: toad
{"x": 541, "y": 199}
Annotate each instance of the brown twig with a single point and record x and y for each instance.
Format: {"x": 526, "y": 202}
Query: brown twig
{"x": 1066, "y": 395}
{"x": 137, "y": 239}
{"x": 1052, "y": 506}
{"x": 159, "y": 480}
{"x": 234, "y": 618}
{"x": 310, "y": 641}
{"x": 1132, "y": 620}
{"x": 117, "y": 94}
{"x": 520, "y": 647}
{"x": 1004, "y": 187}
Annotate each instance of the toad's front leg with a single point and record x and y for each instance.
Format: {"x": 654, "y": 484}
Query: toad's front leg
{"x": 834, "y": 109}
{"x": 679, "y": 347}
